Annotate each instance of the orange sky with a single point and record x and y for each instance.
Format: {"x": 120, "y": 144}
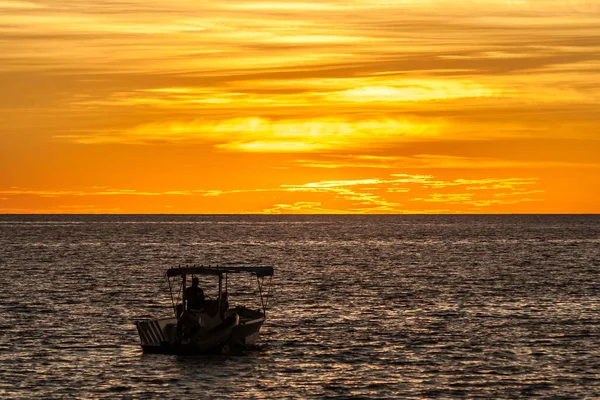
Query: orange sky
{"x": 394, "y": 106}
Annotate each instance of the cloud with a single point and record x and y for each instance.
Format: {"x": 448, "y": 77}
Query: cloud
{"x": 86, "y": 209}
{"x": 300, "y": 207}
{"x": 266, "y": 135}
{"x": 350, "y": 190}
{"x": 92, "y": 192}
{"x": 125, "y": 35}
{"x": 483, "y": 184}
{"x": 19, "y": 5}
{"x": 419, "y": 91}
{"x": 469, "y": 200}
{"x": 141, "y": 72}
{"x": 431, "y": 161}
{"x": 447, "y": 198}
{"x": 396, "y": 193}
{"x": 425, "y": 181}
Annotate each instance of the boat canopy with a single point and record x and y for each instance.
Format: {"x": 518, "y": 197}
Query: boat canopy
{"x": 203, "y": 270}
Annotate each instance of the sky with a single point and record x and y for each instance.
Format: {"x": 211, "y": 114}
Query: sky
{"x": 281, "y": 107}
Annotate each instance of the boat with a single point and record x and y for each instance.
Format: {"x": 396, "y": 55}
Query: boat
{"x": 214, "y": 327}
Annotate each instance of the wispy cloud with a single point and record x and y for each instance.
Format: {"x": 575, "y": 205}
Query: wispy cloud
{"x": 468, "y": 199}
{"x": 505, "y": 191}
{"x": 94, "y": 192}
{"x": 431, "y": 161}
{"x": 264, "y": 135}
{"x": 301, "y": 207}
{"x": 426, "y": 181}
{"x": 397, "y": 193}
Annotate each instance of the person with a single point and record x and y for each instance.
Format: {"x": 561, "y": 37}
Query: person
{"x": 224, "y": 304}
{"x": 193, "y": 297}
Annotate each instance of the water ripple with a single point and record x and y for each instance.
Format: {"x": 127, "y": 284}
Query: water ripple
{"x": 364, "y": 306}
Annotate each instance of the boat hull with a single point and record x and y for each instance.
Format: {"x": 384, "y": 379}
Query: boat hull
{"x": 246, "y": 333}
{"x": 159, "y": 336}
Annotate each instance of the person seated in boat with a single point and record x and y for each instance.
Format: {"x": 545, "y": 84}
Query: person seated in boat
{"x": 193, "y": 297}
{"x": 187, "y": 325}
{"x": 188, "y": 322}
{"x": 224, "y": 304}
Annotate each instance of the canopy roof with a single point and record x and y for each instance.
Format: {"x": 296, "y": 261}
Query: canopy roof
{"x": 202, "y": 270}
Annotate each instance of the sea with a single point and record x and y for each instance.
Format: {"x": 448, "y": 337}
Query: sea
{"x": 360, "y": 307}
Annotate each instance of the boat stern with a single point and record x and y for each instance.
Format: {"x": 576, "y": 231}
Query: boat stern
{"x": 156, "y": 334}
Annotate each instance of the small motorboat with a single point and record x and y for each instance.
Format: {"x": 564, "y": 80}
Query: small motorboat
{"x": 214, "y": 326}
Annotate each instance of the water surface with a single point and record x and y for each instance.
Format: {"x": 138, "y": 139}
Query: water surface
{"x": 364, "y": 306}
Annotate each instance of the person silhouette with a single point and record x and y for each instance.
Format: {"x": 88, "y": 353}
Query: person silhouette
{"x": 193, "y": 297}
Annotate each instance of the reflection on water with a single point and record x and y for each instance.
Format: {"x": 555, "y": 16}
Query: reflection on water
{"x": 365, "y": 306}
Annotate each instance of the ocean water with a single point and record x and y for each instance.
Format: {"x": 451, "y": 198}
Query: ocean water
{"x": 363, "y": 306}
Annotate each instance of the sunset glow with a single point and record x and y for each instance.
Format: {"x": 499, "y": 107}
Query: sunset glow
{"x": 395, "y": 106}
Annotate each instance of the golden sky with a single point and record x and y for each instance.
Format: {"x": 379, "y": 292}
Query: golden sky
{"x": 391, "y": 106}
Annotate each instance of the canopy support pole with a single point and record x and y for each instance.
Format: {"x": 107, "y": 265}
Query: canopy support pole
{"x": 220, "y": 298}
{"x": 171, "y": 294}
{"x": 183, "y": 286}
